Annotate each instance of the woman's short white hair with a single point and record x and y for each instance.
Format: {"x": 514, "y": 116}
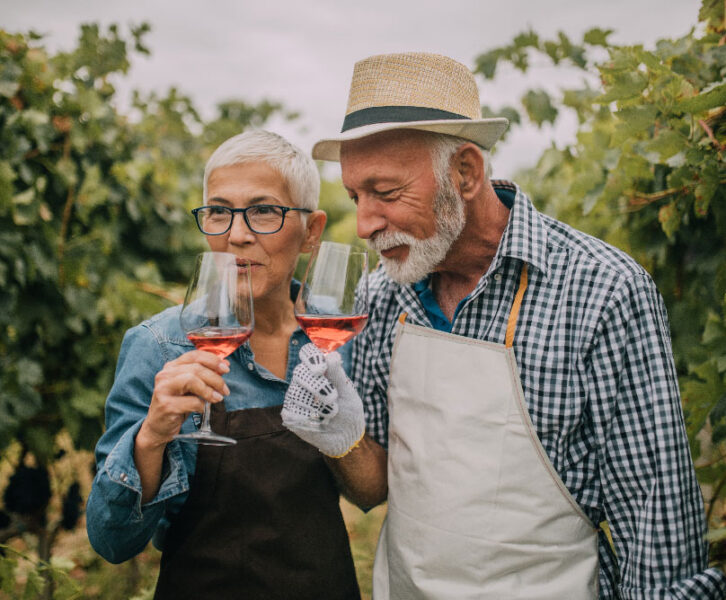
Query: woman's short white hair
{"x": 444, "y": 146}
{"x": 257, "y": 145}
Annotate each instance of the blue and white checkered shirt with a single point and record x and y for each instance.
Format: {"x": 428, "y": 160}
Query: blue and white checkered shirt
{"x": 594, "y": 354}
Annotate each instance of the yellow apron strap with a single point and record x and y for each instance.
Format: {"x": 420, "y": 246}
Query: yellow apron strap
{"x": 512, "y": 324}
{"x": 514, "y": 313}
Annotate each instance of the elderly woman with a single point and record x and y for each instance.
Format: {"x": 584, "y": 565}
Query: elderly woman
{"x": 259, "y": 519}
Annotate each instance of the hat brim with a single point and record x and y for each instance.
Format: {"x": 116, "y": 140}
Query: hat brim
{"x": 484, "y": 132}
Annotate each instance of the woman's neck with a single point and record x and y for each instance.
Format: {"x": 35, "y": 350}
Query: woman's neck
{"x": 274, "y": 324}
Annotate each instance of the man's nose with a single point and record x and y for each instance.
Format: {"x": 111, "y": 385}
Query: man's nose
{"x": 370, "y": 218}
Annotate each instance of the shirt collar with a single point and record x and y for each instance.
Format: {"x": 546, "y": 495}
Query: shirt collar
{"x": 525, "y": 236}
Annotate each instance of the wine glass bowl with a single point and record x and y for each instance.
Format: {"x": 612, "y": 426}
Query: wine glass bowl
{"x": 217, "y": 317}
{"x": 332, "y": 303}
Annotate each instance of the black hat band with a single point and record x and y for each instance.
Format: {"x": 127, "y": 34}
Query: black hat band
{"x": 396, "y": 114}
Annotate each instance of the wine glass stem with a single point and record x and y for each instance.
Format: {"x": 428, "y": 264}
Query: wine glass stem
{"x": 205, "y": 426}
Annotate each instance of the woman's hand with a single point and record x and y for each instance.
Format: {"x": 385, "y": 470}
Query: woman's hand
{"x": 180, "y": 388}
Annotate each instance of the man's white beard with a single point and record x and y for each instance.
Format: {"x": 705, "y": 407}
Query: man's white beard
{"x": 425, "y": 255}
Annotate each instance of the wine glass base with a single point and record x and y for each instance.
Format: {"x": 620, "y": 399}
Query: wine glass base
{"x": 208, "y": 438}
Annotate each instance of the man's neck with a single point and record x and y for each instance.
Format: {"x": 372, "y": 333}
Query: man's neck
{"x": 472, "y": 254}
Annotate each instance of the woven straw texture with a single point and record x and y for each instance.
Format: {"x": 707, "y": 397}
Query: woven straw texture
{"x": 414, "y": 79}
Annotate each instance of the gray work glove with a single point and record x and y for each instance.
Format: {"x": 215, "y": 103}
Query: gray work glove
{"x": 321, "y": 405}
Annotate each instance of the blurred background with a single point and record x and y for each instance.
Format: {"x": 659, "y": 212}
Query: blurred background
{"x": 302, "y": 54}
{"x": 109, "y": 112}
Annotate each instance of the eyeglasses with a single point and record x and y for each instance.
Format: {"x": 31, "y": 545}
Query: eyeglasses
{"x": 260, "y": 218}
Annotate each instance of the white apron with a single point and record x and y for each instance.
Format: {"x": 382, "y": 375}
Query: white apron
{"x": 475, "y": 508}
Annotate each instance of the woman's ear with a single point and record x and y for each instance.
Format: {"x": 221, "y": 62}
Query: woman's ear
{"x": 314, "y": 229}
{"x": 468, "y": 168}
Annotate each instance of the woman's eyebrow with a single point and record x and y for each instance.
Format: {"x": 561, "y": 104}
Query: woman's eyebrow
{"x": 255, "y": 200}
{"x": 263, "y": 200}
{"x": 219, "y": 200}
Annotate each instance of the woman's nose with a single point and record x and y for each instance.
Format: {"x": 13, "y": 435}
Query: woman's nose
{"x": 240, "y": 233}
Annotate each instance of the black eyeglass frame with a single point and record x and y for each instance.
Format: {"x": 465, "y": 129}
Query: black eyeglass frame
{"x": 233, "y": 211}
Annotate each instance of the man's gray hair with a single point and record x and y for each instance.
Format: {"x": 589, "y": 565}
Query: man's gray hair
{"x": 443, "y": 147}
{"x": 257, "y": 145}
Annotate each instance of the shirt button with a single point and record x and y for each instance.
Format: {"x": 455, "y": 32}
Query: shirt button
{"x": 124, "y": 477}
{"x": 294, "y": 342}
{"x": 250, "y": 366}
{"x": 497, "y": 276}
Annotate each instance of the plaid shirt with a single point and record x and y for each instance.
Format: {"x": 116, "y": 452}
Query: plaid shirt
{"x": 593, "y": 349}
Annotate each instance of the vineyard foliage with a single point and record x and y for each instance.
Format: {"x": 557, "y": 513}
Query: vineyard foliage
{"x": 646, "y": 172}
{"x": 95, "y": 235}
{"x": 95, "y": 232}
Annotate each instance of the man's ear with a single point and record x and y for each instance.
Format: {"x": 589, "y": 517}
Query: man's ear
{"x": 468, "y": 169}
{"x": 314, "y": 229}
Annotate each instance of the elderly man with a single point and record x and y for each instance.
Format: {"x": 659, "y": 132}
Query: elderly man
{"x": 516, "y": 374}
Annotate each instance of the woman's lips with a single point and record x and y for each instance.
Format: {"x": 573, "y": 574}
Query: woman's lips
{"x": 243, "y": 264}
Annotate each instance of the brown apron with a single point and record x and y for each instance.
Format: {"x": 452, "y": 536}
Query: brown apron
{"x": 262, "y": 520}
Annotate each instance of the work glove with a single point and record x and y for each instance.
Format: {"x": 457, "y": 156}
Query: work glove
{"x": 321, "y": 405}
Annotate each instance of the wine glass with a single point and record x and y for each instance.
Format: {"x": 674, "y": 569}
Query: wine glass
{"x": 332, "y": 304}
{"x": 217, "y": 317}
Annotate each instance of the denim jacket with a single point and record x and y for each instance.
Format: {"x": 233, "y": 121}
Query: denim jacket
{"x": 119, "y": 526}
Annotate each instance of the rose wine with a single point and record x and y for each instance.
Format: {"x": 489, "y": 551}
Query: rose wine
{"x": 330, "y": 332}
{"x": 219, "y": 340}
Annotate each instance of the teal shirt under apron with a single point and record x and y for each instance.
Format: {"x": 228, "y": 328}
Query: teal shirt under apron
{"x": 426, "y": 295}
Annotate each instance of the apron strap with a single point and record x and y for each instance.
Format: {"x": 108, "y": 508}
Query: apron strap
{"x": 514, "y": 313}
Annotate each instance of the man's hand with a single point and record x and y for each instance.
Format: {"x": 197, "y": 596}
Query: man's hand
{"x": 321, "y": 405}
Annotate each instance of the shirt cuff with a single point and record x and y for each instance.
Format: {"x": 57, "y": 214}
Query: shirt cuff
{"x": 121, "y": 470}
{"x": 706, "y": 585}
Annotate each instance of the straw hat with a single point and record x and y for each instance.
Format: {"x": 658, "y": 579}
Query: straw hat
{"x": 413, "y": 90}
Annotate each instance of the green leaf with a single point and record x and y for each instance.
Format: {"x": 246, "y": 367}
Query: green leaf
{"x": 7, "y": 176}
{"x": 41, "y": 442}
{"x": 701, "y": 393}
{"x": 8, "y": 88}
{"x": 713, "y": 98}
{"x": 718, "y": 412}
{"x": 486, "y": 64}
{"x": 66, "y": 169}
{"x": 707, "y": 188}
{"x": 539, "y": 107}
{"x": 549, "y": 162}
{"x": 508, "y": 112}
{"x": 7, "y": 573}
{"x": 712, "y": 12}
{"x": 667, "y": 143}
{"x": 527, "y": 39}
{"x": 624, "y": 85}
{"x": 590, "y": 175}
{"x": 669, "y": 218}
{"x": 34, "y": 585}
{"x": 716, "y": 535}
{"x": 93, "y": 191}
{"x": 703, "y": 194}
{"x": 638, "y": 118}
{"x": 597, "y": 36}
{"x": 88, "y": 403}
{"x": 715, "y": 330}
{"x": 718, "y": 434}
{"x": 62, "y": 563}
{"x": 30, "y": 373}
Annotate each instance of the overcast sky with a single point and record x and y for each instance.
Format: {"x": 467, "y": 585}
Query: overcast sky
{"x": 301, "y": 53}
